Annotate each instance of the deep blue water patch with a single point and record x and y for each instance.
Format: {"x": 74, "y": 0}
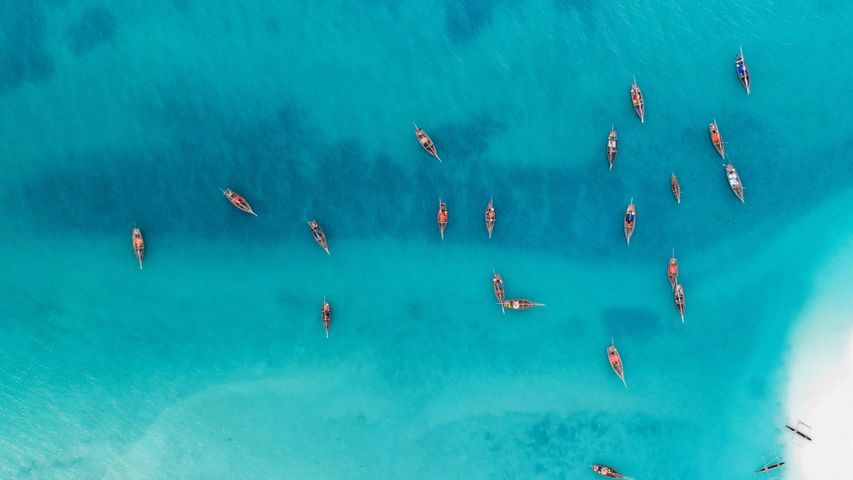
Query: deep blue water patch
{"x": 465, "y": 19}
{"x": 97, "y": 26}
{"x": 23, "y": 57}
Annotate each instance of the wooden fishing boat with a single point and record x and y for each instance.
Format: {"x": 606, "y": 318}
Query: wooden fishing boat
{"x": 717, "y": 139}
{"x": 498, "y": 287}
{"x": 608, "y": 472}
{"x": 630, "y": 220}
{"x": 442, "y": 217}
{"x": 616, "y": 362}
{"x": 238, "y": 201}
{"x": 637, "y": 101}
{"x": 319, "y": 235}
{"x": 675, "y": 187}
{"x": 672, "y": 270}
{"x": 326, "y": 316}
{"x": 742, "y": 70}
{"x": 678, "y": 294}
{"x": 520, "y": 304}
{"x": 490, "y": 218}
{"x": 734, "y": 181}
{"x": 426, "y": 142}
{"x": 138, "y": 245}
{"x": 612, "y": 147}
{"x": 770, "y": 466}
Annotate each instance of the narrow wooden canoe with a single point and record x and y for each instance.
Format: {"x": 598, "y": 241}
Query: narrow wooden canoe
{"x": 637, "y": 101}
{"x": 717, "y": 139}
{"x": 442, "y": 217}
{"x": 238, "y": 201}
{"x": 319, "y": 235}
{"x": 138, "y": 243}
{"x": 608, "y": 472}
{"x": 520, "y": 304}
{"x": 612, "y": 147}
{"x": 498, "y": 288}
{"x": 326, "y": 316}
{"x": 616, "y": 362}
{"x": 630, "y": 220}
{"x": 742, "y": 70}
{"x": 490, "y": 217}
{"x": 426, "y": 142}
{"x": 678, "y": 295}
{"x": 734, "y": 181}
{"x": 675, "y": 187}
{"x": 672, "y": 270}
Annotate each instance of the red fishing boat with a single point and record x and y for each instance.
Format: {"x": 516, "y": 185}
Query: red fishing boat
{"x": 675, "y": 187}
{"x": 326, "y": 316}
{"x": 238, "y": 201}
{"x": 498, "y": 287}
{"x": 138, "y": 245}
{"x": 678, "y": 294}
{"x": 608, "y": 472}
{"x": 742, "y": 70}
{"x": 319, "y": 235}
{"x": 734, "y": 181}
{"x": 672, "y": 270}
{"x": 520, "y": 304}
{"x": 637, "y": 101}
{"x": 490, "y": 218}
{"x": 612, "y": 147}
{"x": 616, "y": 362}
{"x": 717, "y": 139}
{"x": 630, "y": 220}
{"x": 426, "y": 142}
{"x": 442, "y": 217}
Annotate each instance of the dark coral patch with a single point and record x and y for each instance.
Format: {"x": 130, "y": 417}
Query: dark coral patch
{"x": 96, "y": 27}
{"x": 22, "y": 55}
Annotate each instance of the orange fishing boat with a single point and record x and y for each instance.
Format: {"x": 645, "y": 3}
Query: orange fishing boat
{"x": 675, "y": 187}
{"x": 616, "y": 362}
{"x": 238, "y": 201}
{"x": 138, "y": 245}
{"x": 637, "y": 101}
{"x": 319, "y": 235}
{"x": 630, "y": 220}
{"x": 498, "y": 287}
{"x": 734, "y": 181}
{"x": 442, "y": 217}
{"x": 426, "y": 142}
{"x": 608, "y": 472}
{"x": 672, "y": 270}
{"x": 326, "y": 316}
{"x": 520, "y": 304}
{"x": 742, "y": 70}
{"x": 717, "y": 139}
{"x": 678, "y": 294}
{"x": 490, "y": 218}
{"x": 612, "y": 147}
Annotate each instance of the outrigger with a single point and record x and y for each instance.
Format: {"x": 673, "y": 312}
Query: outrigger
{"x": 608, "y": 472}
{"x": 802, "y": 431}
{"x": 319, "y": 235}
{"x": 675, "y": 187}
{"x": 498, "y": 287}
{"x": 672, "y": 270}
{"x": 442, "y": 217}
{"x": 717, "y": 139}
{"x": 520, "y": 304}
{"x": 238, "y": 201}
{"x": 630, "y": 221}
{"x": 426, "y": 142}
{"x": 742, "y": 70}
{"x": 490, "y": 217}
{"x": 772, "y": 465}
{"x": 138, "y": 245}
{"x": 612, "y": 147}
{"x": 678, "y": 295}
{"x": 326, "y": 316}
{"x": 637, "y": 101}
{"x": 616, "y": 362}
{"x": 734, "y": 181}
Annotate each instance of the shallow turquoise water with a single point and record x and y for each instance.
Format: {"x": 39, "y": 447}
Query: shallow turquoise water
{"x": 212, "y": 363}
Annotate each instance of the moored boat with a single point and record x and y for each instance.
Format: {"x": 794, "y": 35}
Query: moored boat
{"x": 675, "y": 187}
{"x": 326, "y": 316}
{"x": 637, "y": 101}
{"x": 678, "y": 295}
{"x": 734, "y": 181}
{"x": 716, "y": 138}
{"x": 616, "y": 362}
{"x": 442, "y": 217}
{"x": 138, "y": 245}
{"x": 426, "y": 142}
{"x": 630, "y": 220}
{"x": 520, "y": 304}
{"x": 608, "y": 472}
{"x": 672, "y": 270}
{"x": 319, "y": 235}
{"x": 490, "y": 217}
{"x": 770, "y": 466}
{"x": 498, "y": 287}
{"x": 238, "y": 201}
{"x": 742, "y": 70}
{"x": 612, "y": 147}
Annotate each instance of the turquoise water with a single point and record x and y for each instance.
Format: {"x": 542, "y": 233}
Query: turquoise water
{"x": 212, "y": 363}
